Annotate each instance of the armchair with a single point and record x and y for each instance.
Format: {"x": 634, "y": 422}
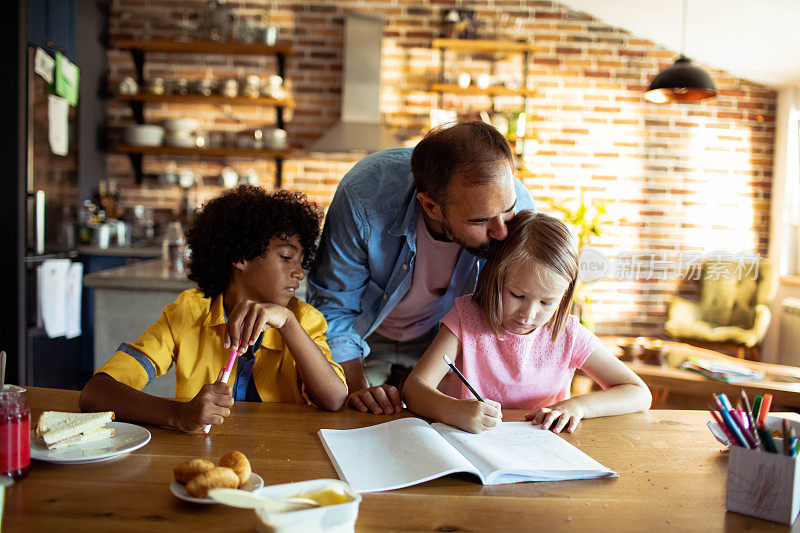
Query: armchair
{"x": 733, "y": 312}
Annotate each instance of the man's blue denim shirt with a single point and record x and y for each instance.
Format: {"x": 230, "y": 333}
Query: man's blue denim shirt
{"x": 366, "y": 255}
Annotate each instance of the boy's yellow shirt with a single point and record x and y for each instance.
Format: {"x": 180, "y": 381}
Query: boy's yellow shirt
{"x": 189, "y": 336}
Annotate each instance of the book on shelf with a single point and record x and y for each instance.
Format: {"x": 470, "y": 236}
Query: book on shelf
{"x": 723, "y": 371}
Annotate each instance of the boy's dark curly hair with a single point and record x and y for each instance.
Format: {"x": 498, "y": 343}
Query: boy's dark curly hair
{"x": 238, "y": 225}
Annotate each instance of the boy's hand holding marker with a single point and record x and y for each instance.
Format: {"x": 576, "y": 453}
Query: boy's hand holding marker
{"x": 209, "y": 407}
{"x": 222, "y": 379}
{"x": 246, "y": 322}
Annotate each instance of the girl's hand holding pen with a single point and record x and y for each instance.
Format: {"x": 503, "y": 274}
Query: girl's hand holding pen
{"x": 557, "y": 417}
{"x": 210, "y": 406}
{"x": 248, "y": 319}
{"x": 475, "y": 416}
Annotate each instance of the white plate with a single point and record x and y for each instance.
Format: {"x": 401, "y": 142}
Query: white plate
{"x": 179, "y": 490}
{"x": 127, "y": 437}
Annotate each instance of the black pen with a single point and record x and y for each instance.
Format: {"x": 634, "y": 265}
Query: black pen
{"x": 462, "y": 378}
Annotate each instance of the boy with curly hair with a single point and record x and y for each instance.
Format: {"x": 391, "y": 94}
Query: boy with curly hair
{"x": 248, "y": 250}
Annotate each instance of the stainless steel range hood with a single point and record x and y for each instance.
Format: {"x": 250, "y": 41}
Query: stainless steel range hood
{"x": 360, "y": 128}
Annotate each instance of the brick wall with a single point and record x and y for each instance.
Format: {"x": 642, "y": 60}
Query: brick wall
{"x": 679, "y": 179}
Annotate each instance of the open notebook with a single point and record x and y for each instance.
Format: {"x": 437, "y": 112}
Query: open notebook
{"x": 408, "y": 451}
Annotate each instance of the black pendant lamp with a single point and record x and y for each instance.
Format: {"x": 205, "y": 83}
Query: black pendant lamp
{"x": 682, "y": 82}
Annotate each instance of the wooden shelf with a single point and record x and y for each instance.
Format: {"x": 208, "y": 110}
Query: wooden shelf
{"x": 489, "y": 91}
{"x": 209, "y": 100}
{"x": 483, "y": 46}
{"x": 204, "y": 47}
{"x": 203, "y": 152}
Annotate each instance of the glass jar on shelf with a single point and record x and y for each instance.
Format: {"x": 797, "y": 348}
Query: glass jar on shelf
{"x": 174, "y": 247}
{"x": 230, "y": 88}
{"x": 156, "y": 86}
{"x": 252, "y": 86}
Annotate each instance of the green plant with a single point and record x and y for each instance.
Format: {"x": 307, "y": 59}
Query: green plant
{"x": 588, "y": 220}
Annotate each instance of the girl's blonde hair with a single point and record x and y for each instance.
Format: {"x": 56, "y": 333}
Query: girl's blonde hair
{"x": 533, "y": 238}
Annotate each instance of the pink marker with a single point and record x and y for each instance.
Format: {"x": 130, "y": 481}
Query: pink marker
{"x": 743, "y": 418}
{"x": 226, "y": 373}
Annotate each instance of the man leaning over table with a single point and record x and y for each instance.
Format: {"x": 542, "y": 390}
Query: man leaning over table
{"x": 402, "y": 239}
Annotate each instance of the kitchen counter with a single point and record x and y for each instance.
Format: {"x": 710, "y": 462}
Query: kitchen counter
{"x": 127, "y": 300}
{"x": 151, "y": 275}
{"x": 124, "y": 251}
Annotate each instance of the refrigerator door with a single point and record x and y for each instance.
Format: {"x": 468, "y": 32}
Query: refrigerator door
{"x": 52, "y": 180}
{"x": 52, "y": 198}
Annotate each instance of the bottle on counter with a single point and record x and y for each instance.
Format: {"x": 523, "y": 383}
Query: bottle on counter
{"x": 174, "y": 247}
{"x": 15, "y": 444}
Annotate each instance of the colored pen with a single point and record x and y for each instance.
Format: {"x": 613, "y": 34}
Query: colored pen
{"x": 792, "y": 443}
{"x": 732, "y": 427}
{"x": 751, "y": 442}
{"x": 742, "y": 418}
{"x": 749, "y": 412}
{"x": 786, "y": 443}
{"x": 224, "y": 379}
{"x": 765, "y": 404}
{"x": 715, "y": 415}
{"x": 725, "y": 402}
{"x": 757, "y": 407}
{"x": 766, "y": 438}
{"x": 462, "y": 378}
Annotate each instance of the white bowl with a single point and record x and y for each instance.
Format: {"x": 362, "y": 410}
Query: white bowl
{"x": 182, "y": 126}
{"x": 339, "y": 518}
{"x": 275, "y": 139}
{"x": 144, "y": 135}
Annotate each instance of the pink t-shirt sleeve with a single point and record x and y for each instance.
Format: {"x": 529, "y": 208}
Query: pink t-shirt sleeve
{"x": 584, "y": 343}
{"x": 453, "y": 321}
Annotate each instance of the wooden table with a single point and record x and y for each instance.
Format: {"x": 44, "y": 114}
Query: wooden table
{"x": 672, "y": 477}
{"x": 782, "y": 381}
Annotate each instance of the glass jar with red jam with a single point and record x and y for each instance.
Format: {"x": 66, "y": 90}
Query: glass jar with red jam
{"x": 15, "y": 436}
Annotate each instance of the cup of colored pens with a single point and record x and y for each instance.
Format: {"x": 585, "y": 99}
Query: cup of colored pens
{"x": 763, "y": 470}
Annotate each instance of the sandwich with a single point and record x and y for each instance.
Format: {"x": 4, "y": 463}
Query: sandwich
{"x": 56, "y": 429}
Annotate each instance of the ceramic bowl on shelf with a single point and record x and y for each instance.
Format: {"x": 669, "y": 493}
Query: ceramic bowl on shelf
{"x": 128, "y": 86}
{"x": 275, "y": 138}
{"x": 228, "y": 177}
{"x": 182, "y": 127}
{"x": 144, "y": 135}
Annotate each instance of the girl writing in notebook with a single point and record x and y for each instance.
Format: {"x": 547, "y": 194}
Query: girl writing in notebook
{"x": 516, "y": 344}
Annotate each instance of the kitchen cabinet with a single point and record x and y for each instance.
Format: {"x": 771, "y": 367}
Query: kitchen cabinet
{"x": 146, "y": 287}
{"x": 139, "y": 49}
{"x": 98, "y": 260}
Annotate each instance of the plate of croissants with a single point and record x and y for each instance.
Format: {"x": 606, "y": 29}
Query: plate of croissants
{"x": 195, "y": 477}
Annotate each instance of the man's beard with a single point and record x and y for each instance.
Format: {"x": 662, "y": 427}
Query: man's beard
{"x": 481, "y": 252}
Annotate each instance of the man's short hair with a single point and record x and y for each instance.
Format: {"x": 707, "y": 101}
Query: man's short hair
{"x": 472, "y": 149}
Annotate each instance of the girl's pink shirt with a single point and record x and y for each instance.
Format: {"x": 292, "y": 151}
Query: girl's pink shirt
{"x": 519, "y": 371}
